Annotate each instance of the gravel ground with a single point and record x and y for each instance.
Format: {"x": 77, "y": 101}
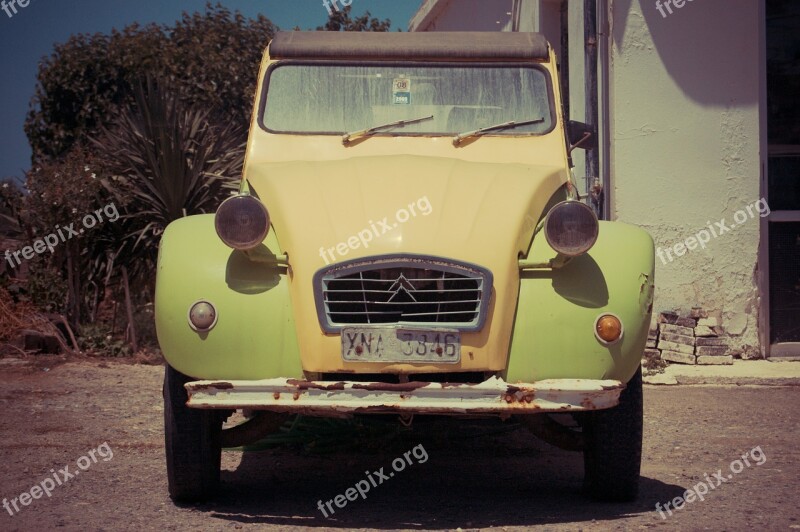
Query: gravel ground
{"x": 477, "y": 475}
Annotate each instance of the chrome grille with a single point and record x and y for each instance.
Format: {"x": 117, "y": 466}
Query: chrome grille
{"x": 424, "y": 291}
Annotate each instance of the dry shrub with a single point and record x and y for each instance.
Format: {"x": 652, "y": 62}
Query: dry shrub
{"x": 18, "y": 316}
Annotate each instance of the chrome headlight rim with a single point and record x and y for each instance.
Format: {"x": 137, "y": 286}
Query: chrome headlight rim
{"x": 236, "y": 203}
{"x": 558, "y": 209}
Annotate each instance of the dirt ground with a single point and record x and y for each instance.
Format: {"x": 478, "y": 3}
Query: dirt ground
{"x": 477, "y": 475}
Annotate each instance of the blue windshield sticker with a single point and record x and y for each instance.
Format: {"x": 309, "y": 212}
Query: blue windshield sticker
{"x": 401, "y": 91}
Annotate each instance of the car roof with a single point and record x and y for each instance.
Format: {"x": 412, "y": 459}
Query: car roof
{"x": 432, "y": 46}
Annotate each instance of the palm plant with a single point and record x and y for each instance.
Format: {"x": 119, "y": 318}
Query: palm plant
{"x": 165, "y": 160}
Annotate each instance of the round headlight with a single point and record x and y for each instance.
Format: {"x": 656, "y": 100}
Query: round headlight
{"x": 571, "y": 228}
{"x": 202, "y": 316}
{"x": 608, "y": 329}
{"x": 242, "y": 222}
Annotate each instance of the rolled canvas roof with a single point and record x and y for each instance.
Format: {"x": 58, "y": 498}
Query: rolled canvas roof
{"x": 436, "y": 46}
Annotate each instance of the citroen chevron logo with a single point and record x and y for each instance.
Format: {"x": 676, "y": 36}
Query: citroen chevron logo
{"x": 402, "y": 285}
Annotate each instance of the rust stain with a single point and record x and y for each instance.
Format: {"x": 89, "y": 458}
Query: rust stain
{"x": 643, "y": 278}
{"x": 276, "y": 395}
{"x": 296, "y": 396}
{"x": 524, "y": 406}
{"x": 308, "y": 385}
{"x": 213, "y": 385}
{"x": 390, "y": 386}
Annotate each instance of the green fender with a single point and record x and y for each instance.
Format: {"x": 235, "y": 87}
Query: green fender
{"x": 254, "y": 336}
{"x": 554, "y": 329}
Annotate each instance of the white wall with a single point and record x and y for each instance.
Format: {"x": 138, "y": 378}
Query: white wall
{"x": 685, "y": 146}
{"x": 684, "y": 133}
{"x": 462, "y": 15}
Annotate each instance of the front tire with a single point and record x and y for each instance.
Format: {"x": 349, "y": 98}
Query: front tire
{"x": 192, "y": 440}
{"x": 612, "y": 455}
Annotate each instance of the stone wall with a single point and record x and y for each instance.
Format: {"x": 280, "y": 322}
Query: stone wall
{"x": 694, "y": 339}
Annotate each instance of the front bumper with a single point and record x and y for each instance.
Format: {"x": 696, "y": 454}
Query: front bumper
{"x": 326, "y": 398}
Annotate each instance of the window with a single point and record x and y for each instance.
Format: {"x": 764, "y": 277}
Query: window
{"x": 338, "y": 98}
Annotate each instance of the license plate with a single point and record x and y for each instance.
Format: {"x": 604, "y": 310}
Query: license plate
{"x": 378, "y": 344}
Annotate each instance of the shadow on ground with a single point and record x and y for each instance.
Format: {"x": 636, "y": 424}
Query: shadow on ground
{"x": 478, "y": 474}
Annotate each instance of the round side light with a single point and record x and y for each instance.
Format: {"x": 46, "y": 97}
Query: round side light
{"x": 571, "y": 228}
{"x": 202, "y": 316}
{"x": 608, "y": 329}
{"x": 242, "y": 222}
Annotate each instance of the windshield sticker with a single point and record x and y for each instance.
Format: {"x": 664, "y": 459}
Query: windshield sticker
{"x": 401, "y": 91}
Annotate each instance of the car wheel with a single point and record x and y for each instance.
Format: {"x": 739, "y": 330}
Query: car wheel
{"x": 612, "y": 455}
{"x": 193, "y": 443}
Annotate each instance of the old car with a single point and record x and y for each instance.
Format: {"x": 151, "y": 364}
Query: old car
{"x": 408, "y": 239}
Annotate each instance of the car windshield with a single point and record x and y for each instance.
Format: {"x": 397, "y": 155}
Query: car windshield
{"x": 337, "y": 99}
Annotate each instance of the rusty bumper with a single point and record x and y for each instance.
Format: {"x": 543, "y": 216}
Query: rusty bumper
{"x": 493, "y": 396}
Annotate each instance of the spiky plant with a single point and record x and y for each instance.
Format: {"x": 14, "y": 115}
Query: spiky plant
{"x": 164, "y": 160}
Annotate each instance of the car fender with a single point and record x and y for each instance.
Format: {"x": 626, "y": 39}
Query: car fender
{"x": 553, "y": 333}
{"x": 254, "y": 336}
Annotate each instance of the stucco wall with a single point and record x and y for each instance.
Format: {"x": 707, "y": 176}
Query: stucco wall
{"x": 685, "y": 146}
{"x": 684, "y": 108}
{"x": 462, "y": 15}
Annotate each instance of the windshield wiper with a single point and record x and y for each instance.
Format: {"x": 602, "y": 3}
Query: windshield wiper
{"x": 505, "y": 125}
{"x": 365, "y": 132}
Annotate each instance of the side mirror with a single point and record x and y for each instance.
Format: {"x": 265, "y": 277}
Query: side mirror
{"x": 581, "y": 135}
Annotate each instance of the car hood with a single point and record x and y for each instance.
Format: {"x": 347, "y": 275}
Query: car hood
{"x": 327, "y": 212}
{"x": 402, "y": 204}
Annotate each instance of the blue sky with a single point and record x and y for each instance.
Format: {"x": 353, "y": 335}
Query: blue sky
{"x": 28, "y": 35}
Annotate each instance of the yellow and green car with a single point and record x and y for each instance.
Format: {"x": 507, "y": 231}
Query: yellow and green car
{"x": 407, "y": 239}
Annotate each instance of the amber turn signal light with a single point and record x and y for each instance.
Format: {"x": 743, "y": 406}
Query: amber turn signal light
{"x": 608, "y": 329}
